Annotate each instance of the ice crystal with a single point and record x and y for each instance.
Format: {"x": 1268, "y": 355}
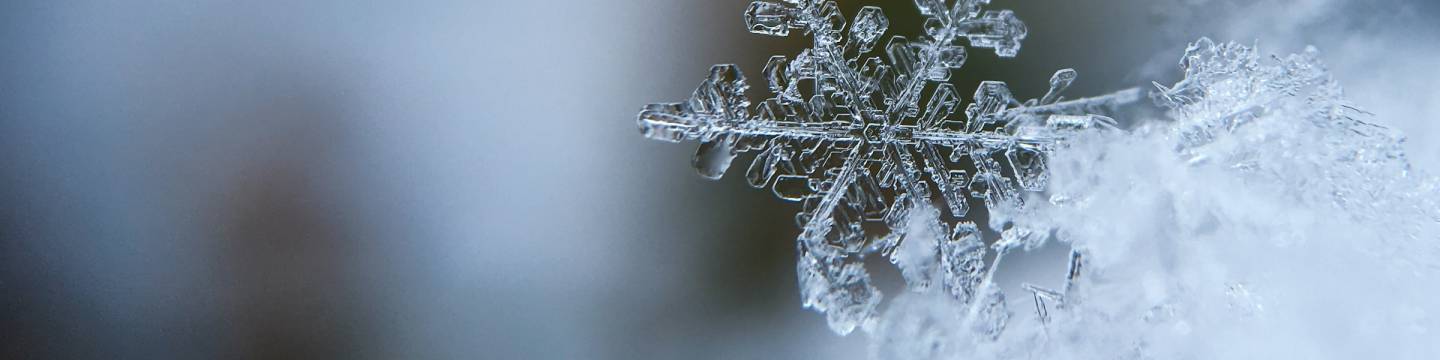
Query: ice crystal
{"x": 862, "y": 133}
{"x": 1262, "y": 201}
{"x": 1286, "y": 121}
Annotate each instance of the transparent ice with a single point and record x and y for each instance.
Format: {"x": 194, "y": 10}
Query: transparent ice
{"x": 848, "y": 135}
{"x": 1174, "y": 223}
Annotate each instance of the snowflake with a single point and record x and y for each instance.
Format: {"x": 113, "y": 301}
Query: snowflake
{"x": 864, "y": 135}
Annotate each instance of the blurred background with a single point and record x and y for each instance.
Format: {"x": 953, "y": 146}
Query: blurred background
{"x": 457, "y": 179}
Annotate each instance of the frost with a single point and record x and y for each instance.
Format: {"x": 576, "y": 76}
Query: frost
{"x": 1262, "y": 203}
{"x": 860, "y": 133}
{"x": 1260, "y": 199}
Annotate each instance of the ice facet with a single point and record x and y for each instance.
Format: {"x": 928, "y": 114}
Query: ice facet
{"x": 942, "y": 102}
{"x": 870, "y": 25}
{"x": 776, "y": 75}
{"x": 792, "y": 187}
{"x": 999, "y": 30}
{"x": 1029, "y": 166}
{"x": 764, "y": 17}
{"x": 828, "y": 24}
{"x": 950, "y": 57}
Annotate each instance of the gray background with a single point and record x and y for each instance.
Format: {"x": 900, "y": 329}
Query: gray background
{"x": 458, "y": 179}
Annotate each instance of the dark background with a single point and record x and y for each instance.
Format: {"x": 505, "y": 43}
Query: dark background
{"x": 452, "y": 179}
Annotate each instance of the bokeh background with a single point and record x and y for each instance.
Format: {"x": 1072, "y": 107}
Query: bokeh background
{"x": 457, "y": 179}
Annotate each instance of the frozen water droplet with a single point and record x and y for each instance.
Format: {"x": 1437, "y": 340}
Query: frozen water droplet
{"x": 714, "y": 157}
{"x": 1058, "y": 83}
{"x": 666, "y": 122}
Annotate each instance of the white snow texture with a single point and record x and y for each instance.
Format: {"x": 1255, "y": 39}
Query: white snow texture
{"x": 1264, "y": 219}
